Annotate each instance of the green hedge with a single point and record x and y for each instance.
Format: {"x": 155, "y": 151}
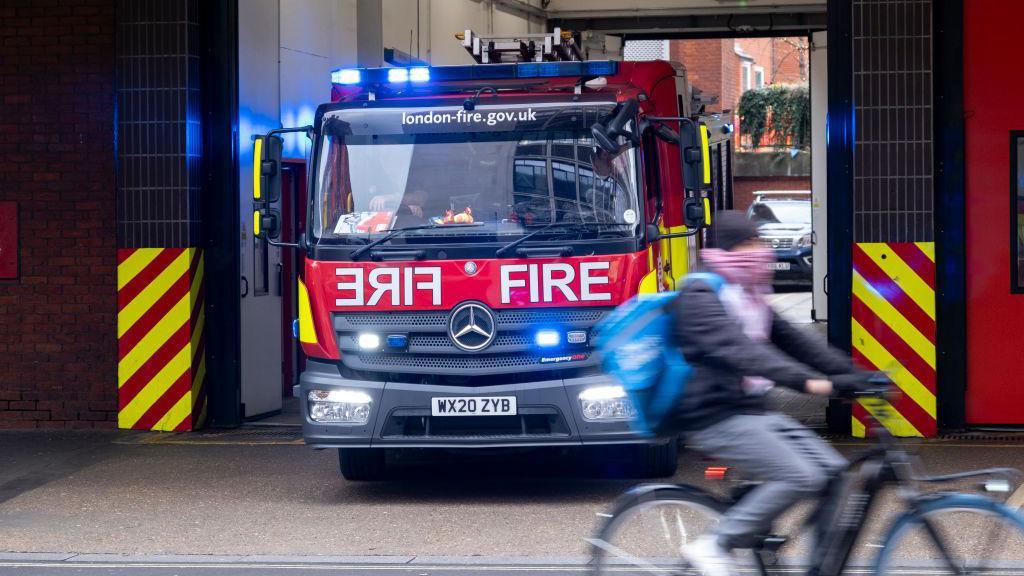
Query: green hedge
{"x": 781, "y": 112}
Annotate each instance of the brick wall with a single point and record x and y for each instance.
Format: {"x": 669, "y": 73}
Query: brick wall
{"x": 743, "y": 188}
{"x": 58, "y": 347}
{"x": 703, "y": 61}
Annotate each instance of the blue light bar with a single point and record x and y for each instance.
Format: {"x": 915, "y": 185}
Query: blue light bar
{"x": 398, "y": 75}
{"x": 420, "y": 74}
{"x": 347, "y": 76}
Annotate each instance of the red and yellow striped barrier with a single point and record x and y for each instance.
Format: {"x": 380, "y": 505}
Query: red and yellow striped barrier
{"x": 893, "y": 329}
{"x": 160, "y": 318}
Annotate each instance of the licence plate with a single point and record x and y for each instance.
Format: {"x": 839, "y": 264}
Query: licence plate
{"x": 780, "y": 266}
{"x": 473, "y": 406}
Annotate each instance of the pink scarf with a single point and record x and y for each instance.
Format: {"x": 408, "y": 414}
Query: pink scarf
{"x": 751, "y": 271}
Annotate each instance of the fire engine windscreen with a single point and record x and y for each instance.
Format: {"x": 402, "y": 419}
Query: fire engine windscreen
{"x": 510, "y": 169}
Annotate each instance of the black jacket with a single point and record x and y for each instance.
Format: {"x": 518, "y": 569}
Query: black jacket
{"x": 714, "y": 344}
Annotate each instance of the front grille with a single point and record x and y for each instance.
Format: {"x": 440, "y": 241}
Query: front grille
{"x": 430, "y": 350}
{"x": 778, "y": 243}
{"x": 388, "y": 362}
{"x": 540, "y": 422}
{"x": 502, "y": 340}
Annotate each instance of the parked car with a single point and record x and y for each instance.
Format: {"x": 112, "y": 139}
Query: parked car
{"x": 784, "y": 220}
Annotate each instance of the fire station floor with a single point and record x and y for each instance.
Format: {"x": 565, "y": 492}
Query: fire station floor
{"x": 262, "y": 496}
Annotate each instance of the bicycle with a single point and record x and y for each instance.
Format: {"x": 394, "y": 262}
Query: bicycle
{"x": 680, "y": 513}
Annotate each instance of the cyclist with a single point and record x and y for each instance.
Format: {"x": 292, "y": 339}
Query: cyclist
{"x": 739, "y": 348}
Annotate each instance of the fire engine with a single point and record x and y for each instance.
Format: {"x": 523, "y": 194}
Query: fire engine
{"x": 466, "y": 230}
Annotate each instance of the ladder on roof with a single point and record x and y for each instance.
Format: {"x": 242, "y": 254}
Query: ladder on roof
{"x": 557, "y": 46}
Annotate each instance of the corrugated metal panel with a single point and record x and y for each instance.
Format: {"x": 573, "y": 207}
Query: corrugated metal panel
{"x": 892, "y": 63}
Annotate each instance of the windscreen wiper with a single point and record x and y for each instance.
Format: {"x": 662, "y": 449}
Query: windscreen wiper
{"x": 579, "y": 225}
{"x": 399, "y": 231}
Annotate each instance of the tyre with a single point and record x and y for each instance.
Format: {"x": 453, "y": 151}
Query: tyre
{"x": 647, "y": 528}
{"x": 965, "y": 534}
{"x": 657, "y": 460}
{"x": 358, "y": 464}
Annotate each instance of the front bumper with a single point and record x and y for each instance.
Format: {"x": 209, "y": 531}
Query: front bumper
{"x": 800, "y": 268}
{"x": 548, "y": 415}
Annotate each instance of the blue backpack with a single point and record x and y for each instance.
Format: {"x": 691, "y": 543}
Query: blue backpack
{"x": 636, "y": 347}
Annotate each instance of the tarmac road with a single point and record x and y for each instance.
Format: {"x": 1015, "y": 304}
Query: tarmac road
{"x": 75, "y": 493}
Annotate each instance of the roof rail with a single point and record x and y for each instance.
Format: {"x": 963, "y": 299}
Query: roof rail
{"x": 557, "y": 46}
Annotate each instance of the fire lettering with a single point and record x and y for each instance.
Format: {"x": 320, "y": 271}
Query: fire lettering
{"x": 541, "y": 281}
{"x": 587, "y": 280}
{"x": 386, "y": 282}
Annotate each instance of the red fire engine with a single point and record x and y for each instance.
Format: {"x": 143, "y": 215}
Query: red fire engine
{"x": 468, "y": 227}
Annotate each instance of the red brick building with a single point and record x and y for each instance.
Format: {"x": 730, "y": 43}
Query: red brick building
{"x": 58, "y": 354}
{"x": 728, "y": 68}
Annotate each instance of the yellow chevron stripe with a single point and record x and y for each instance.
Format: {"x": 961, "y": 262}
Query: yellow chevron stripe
{"x": 197, "y": 378}
{"x": 892, "y": 318}
{"x": 197, "y": 332}
{"x": 180, "y": 411}
{"x": 857, "y": 428}
{"x": 134, "y": 264}
{"x": 890, "y": 418}
{"x": 903, "y": 275}
{"x": 928, "y": 248}
{"x": 152, "y": 341}
{"x": 197, "y": 281}
{"x": 157, "y": 288}
{"x": 156, "y": 387}
{"x": 866, "y": 344}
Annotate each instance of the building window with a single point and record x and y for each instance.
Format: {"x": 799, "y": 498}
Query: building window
{"x": 745, "y": 77}
{"x": 758, "y": 77}
{"x": 1017, "y": 198}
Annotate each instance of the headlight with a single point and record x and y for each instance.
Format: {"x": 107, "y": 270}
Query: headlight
{"x": 339, "y": 406}
{"x": 368, "y": 341}
{"x": 804, "y": 241}
{"x": 604, "y": 403}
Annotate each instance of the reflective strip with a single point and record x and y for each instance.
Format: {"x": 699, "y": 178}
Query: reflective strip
{"x": 257, "y": 159}
{"x": 160, "y": 338}
{"x": 705, "y": 153}
{"x": 879, "y": 356}
{"x": 884, "y": 310}
{"x": 904, "y": 277}
{"x": 307, "y": 331}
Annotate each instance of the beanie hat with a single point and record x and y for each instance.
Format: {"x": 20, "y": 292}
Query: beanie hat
{"x": 730, "y": 229}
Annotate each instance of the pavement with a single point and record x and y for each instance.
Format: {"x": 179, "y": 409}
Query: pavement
{"x": 256, "y": 501}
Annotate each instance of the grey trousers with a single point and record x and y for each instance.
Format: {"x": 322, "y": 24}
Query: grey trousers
{"x": 792, "y": 461}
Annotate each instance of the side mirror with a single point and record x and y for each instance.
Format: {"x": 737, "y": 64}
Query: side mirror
{"x": 694, "y": 153}
{"x": 653, "y": 233}
{"x": 266, "y": 224}
{"x": 606, "y": 133}
{"x": 266, "y": 168}
{"x": 697, "y": 213}
{"x": 603, "y": 140}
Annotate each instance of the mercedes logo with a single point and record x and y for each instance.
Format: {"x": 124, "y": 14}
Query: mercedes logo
{"x": 470, "y": 268}
{"x": 471, "y": 326}
{"x": 775, "y": 242}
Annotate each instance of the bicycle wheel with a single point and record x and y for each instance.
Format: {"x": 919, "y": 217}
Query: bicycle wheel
{"x": 648, "y": 527}
{"x": 960, "y": 534}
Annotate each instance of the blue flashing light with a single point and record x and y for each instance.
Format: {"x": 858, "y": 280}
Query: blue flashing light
{"x": 547, "y": 338}
{"x": 295, "y": 328}
{"x": 398, "y": 75}
{"x": 397, "y": 340}
{"x": 347, "y": 76}
{"x": 421, "y": 74}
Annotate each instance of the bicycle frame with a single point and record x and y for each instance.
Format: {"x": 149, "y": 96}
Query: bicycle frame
{"x": 840, "y": 516}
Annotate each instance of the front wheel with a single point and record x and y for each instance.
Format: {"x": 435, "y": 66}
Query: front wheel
{"x": 361, "y": 463}
{"x": 647, "y": 529}
{"x": 962, "y": 534}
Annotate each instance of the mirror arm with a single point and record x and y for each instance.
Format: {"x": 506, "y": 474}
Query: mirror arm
{"x": 281, "y": 244}
{"x": 277, "y": 131}
{"x": 686, "y": 234}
